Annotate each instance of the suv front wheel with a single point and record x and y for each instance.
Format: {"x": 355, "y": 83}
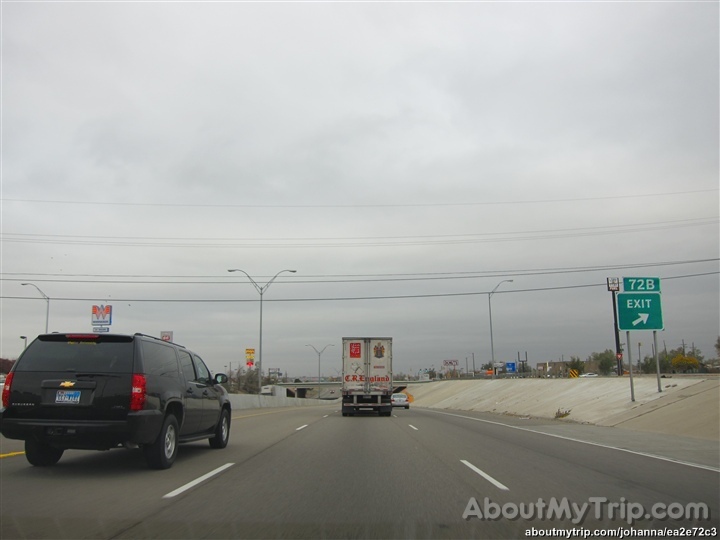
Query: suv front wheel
{"x": 222, "y": 431}
{"x": 162, "y": 453}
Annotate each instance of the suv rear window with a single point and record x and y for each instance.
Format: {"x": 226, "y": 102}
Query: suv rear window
{"x": 79, "y": 353}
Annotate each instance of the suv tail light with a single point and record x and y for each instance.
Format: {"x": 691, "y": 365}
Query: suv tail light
{"x": 6, "y": 390}
{"x": 82, "y": 337}
{"x": 138, "y": 394}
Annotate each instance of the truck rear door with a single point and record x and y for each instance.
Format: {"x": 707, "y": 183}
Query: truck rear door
{"x": 380, "y": 365}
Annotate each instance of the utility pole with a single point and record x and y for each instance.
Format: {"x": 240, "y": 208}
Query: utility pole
{"x": 613, "y": 285}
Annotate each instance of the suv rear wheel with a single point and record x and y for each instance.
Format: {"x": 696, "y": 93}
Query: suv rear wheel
{"x": 222, "y": 431}
{"x": 162, "y": 453}
{"x": 41, "y": 454}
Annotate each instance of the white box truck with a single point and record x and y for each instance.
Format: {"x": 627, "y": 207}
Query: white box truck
{"x": 367, "y": 375}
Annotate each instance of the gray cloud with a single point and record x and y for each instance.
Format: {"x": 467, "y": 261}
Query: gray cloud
{"x": 177, "y": 140}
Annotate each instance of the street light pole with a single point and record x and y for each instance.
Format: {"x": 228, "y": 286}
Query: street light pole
{"x": 260, "y": 290}
{"x": 47, "y": 309}
{"x": 320, "y": 353}
{"x": 25, "y": 338}
{"x": 492, "y": 345}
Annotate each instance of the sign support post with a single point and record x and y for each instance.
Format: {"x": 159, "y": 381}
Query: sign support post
{"x": 632, "y": 384}
{"x": 657, "y": 360}
{"x": 613, "y": 285}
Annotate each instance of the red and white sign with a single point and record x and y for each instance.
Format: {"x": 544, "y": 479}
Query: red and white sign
{"x": 102, "y": 315}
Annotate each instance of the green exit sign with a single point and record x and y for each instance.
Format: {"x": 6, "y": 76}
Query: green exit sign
{"x": 641, "y": 284}
{"x": 640, "y": 311}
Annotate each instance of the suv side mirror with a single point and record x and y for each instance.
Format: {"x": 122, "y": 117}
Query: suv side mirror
{"x": 221, "y": 378}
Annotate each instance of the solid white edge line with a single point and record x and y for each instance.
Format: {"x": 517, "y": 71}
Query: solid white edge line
{"x": 644, "y": 454}
{"x": 301, "y": 427}
{"x": 197, "y": 481}
{"x": 485, "y": 476}
{"x": 416, "y": 429}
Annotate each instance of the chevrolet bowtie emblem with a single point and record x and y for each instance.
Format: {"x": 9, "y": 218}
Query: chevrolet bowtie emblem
{"x": 67, "y": 384}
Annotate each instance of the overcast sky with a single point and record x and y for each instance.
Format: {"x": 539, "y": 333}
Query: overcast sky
{"x": 404, "y": 158}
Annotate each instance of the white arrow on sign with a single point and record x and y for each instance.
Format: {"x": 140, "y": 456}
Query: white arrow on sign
{"x": 643, "y": 318}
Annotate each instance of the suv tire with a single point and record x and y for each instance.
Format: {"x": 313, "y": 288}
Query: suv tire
{"x": 162, "y": 453}
{"x": 222, "y": 431}
{"x": 40, "y": 454}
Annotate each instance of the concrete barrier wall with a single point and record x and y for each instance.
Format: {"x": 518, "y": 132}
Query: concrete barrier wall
{"x": 242, "y": 401}
{"x": 686, "y": 406}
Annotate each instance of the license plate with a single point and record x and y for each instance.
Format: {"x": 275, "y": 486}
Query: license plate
{"x": 67, "y": 396}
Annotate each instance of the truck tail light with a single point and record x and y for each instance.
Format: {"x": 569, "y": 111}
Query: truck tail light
{"x": 6, "y": 390}
{"x": 138, "y": 394}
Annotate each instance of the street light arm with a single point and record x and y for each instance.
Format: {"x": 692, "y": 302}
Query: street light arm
{"x": 259, "y": 289}
{"x": 323, "y": 350}
{"x": 498, "y": 285}
{"x": 45, "y": 296}
{"x": 275, "y": 277}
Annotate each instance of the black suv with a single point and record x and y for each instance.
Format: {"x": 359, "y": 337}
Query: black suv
{"x": 101, "y": 391}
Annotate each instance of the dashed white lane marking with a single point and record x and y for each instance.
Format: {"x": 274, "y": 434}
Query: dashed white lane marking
{"x": 197, "y": 481}
{"x": 485, "y": 476}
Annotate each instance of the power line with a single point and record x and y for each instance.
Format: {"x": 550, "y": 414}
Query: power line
{"x": 54, "y": 237}
{"x": 348, "y": 278}
{"x": 337, "y": 299}
{"x": 369, "y": 205}
{"x": 346, "y": 242}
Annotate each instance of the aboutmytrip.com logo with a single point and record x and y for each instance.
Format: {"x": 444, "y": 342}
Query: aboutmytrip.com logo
{"x": 597, "y": 507}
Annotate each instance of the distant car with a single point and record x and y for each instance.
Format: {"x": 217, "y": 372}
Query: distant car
{"x": 400, "y": 400}
{"x": 589, "y": 375}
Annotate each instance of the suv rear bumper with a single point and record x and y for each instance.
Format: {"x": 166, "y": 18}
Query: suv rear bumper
{"x": 140, "y": 427}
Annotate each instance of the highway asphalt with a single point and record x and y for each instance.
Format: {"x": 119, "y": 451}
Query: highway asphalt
{"x": 311, "y": 473}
